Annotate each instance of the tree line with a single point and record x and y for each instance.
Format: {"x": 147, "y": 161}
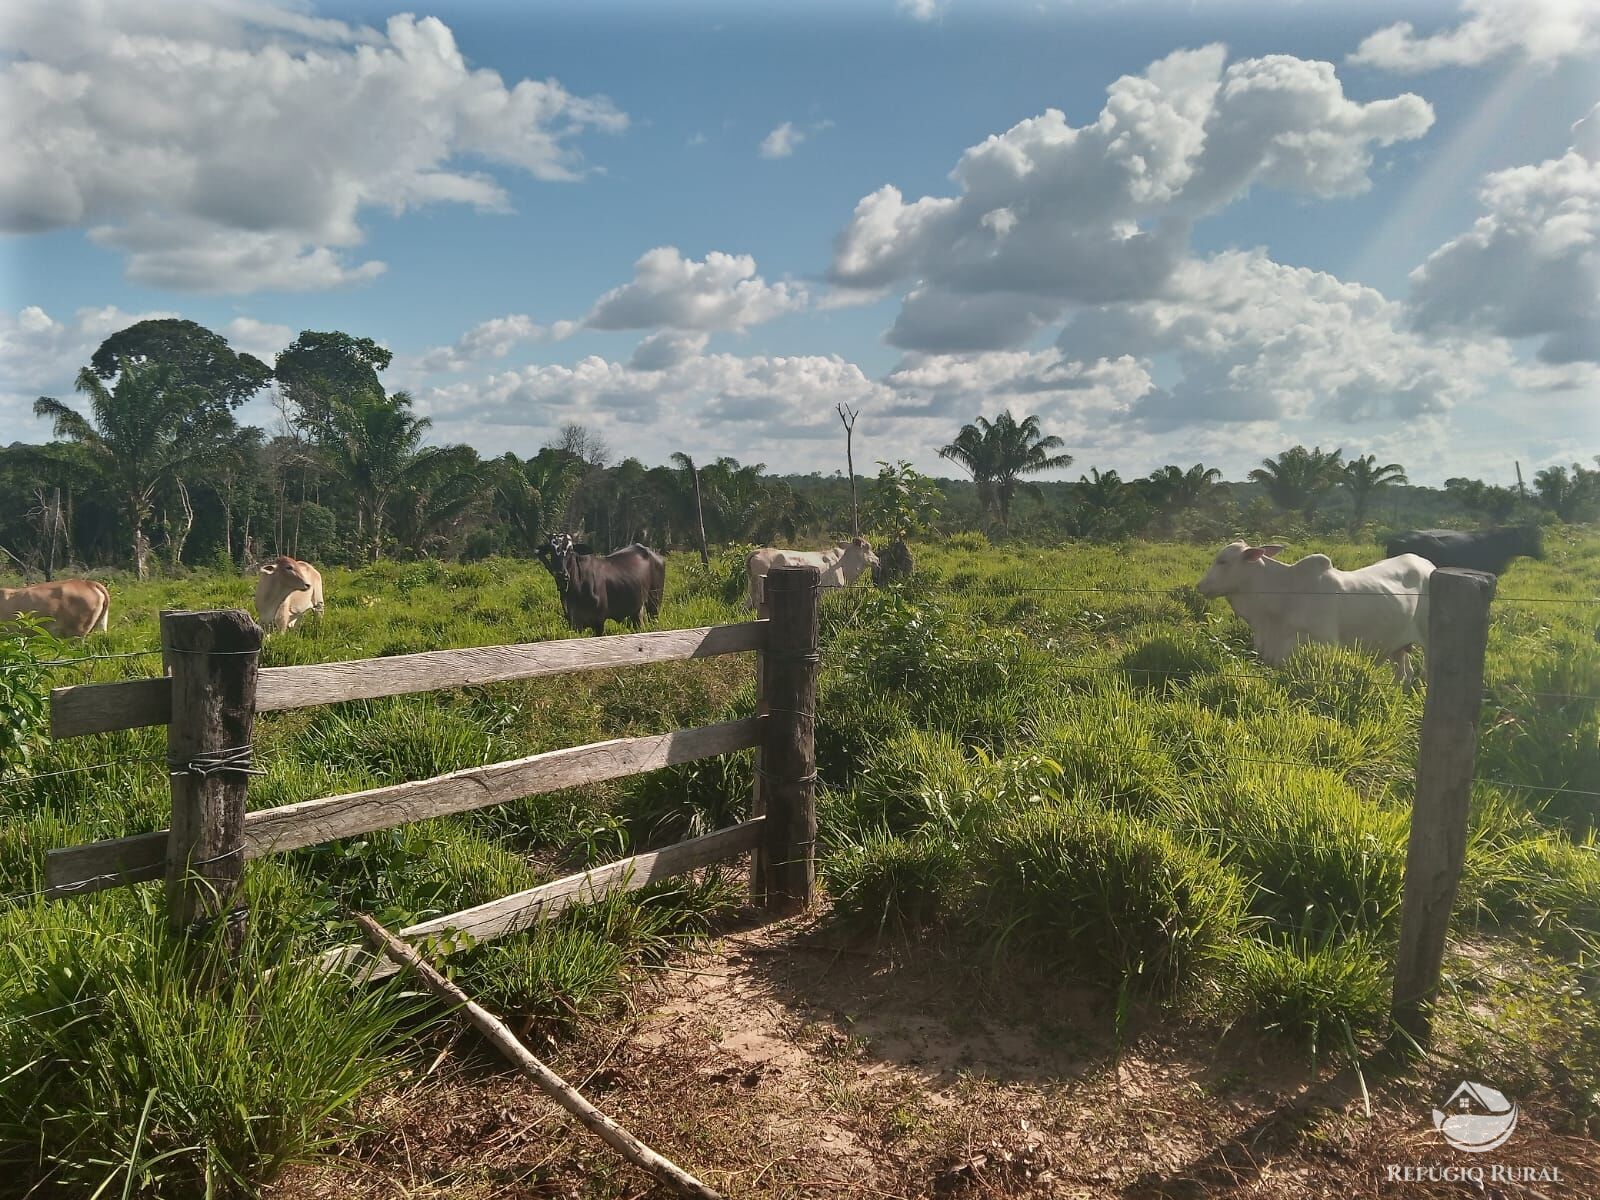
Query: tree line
{"x": 150, "y": 465}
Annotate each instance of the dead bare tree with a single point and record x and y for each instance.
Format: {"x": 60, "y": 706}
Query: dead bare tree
{"x": 847, "y": 416}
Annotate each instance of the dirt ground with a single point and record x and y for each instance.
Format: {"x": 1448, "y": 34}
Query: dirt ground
{"x": 774, "y": 1062}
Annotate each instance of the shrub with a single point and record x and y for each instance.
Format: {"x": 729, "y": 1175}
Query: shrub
{"x": 1108, "y": 896}
{"x": 24, "y": 691}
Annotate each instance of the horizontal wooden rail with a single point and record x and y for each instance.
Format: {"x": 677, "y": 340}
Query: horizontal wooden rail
{"x": 402, "y": 674}
{"x": 131, "y": 704}
{"x": 509, "y": 914}
{"x": 90, "y": 868}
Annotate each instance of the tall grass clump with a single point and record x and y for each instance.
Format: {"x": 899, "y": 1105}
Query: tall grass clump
{"x": 903, "y": 887}
{"x": 1307, "y": 990}
{"x": 1341, "y": 682}
{"x": 1171, "y": 659}
{"x": 1107, "y": 896}
{"x": 139, "y": 1063}
{"x": 1323, "y": 859}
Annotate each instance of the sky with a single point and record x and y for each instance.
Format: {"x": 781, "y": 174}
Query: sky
{"x": 1175, "y": 232}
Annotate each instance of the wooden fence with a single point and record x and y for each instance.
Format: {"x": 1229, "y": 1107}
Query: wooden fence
{"x": 214, "y": 687}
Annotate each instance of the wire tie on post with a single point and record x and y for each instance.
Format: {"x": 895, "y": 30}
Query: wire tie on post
{"x": 236, "y": 760}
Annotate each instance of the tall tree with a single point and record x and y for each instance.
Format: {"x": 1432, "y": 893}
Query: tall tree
{"x": 998, "y": 453}
{"x": 1364, "y": 479}
{"x": 140, "y": 437}
{"x": 1298, "y": 479}
{"x": 439, "y": 489}
{"x": 319, "y": 369}
{"x": 199, "y": 359}
{"x": 1572, "y": 497}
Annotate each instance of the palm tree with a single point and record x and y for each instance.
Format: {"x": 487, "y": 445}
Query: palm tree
{"x": 139, "y": 436}
{"x": 686, "y": 464}
{"x": 374, "y": 445}
{"x": 1364, "y": 479}
{"x": 998, "y": 453}
{"x": 440, "y": 488}
{"x": 1175, "y": 490}
{"x": 1298, "y": 479}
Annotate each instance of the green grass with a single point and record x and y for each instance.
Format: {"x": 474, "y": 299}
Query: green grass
{"x": 1060, "y": 755}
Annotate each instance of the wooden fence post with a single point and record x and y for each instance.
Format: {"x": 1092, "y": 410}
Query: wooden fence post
{"x": 783, "y": 869}
{"x": 1458, "y": 635}
{"x": 213, "y": 658}
{"x": 758, "y": 792}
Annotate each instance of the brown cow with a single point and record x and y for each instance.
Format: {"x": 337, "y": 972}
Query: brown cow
{"x": 286, "y": 589}
{"x": 74, "y": 607}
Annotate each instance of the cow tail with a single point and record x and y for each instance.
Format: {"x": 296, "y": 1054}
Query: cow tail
{"x": 102, "y": 622}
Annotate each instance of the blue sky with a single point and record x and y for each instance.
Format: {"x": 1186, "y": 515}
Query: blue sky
{"x": 1323, "y": 228}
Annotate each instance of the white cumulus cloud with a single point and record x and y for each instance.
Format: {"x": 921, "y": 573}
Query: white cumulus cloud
{"x": 1539, "y": 31}
{"x": 1530, "y": 266}
{"x": 494, "y": 338}
{"x": 669, "y": 291}
{"x": 1049, "y": 215}
{"x": 236, "y": 146}
{"x": 780, "y": 143}
{"x": 1256, "y": 340}
{"x": 920, "y": 10}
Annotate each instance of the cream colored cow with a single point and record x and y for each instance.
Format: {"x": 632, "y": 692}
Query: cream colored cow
{"x": 840, "y": 566}
{"x": 286, "y": 589}
{"x": 74, "y": 607}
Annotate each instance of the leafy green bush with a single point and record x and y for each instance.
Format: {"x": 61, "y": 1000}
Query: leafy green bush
{"x": 24, "y": 691}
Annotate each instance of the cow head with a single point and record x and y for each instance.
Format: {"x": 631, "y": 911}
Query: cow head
{"x": 1230, "y": 569}
{"x": 1533, "y": 541}
{"x": 558, "y": 555}
{"x": 285, "y": 572}
{"x": 864, "y": 548}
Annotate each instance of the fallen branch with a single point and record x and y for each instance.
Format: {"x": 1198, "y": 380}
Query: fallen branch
{"x": 546, "y": 1080}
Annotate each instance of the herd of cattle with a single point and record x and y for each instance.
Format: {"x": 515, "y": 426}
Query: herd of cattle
{"x": 1283, "y": 603}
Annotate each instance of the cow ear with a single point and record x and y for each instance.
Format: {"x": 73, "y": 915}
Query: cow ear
{"x": 1256, "y": 553}
{"x": 268, "y": 568}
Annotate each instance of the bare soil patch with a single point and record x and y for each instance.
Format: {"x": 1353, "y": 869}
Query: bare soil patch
{"x": 775, "y": 1062}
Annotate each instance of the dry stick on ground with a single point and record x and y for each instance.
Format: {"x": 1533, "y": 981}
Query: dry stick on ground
{"x": 547, "y": 1081}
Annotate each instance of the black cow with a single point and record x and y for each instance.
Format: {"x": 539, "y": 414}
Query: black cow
{"x": 621, "y": 586}
{"x": 1488, "y": 550}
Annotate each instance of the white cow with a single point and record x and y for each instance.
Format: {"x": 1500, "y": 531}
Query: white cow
{"x": 1383, "y": 607}
{"x": 840, "y": 566}
{"x": 286, "y": 589}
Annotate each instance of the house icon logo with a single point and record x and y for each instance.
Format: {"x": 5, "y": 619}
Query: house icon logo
{"x": 1476, "y": 1118}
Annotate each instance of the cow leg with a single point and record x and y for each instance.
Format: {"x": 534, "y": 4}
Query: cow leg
{"x": 1403, "y": 674}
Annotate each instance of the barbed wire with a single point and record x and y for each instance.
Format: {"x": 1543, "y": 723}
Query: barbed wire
{"x": 80, "y": 659}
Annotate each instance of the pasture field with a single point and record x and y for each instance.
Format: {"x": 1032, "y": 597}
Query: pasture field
{"x": 1054, "y": 765}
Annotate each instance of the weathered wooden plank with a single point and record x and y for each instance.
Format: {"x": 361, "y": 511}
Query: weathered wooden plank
{"x": 81, "y": 869}
{"x": 371, "y": 678}
{"x": 485, "y": 922}
{"x": 134, "y": 703}
{"x": 104, "y": 707}
{"x": 294, "y": 825}
{"x": 96, "y": 866}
